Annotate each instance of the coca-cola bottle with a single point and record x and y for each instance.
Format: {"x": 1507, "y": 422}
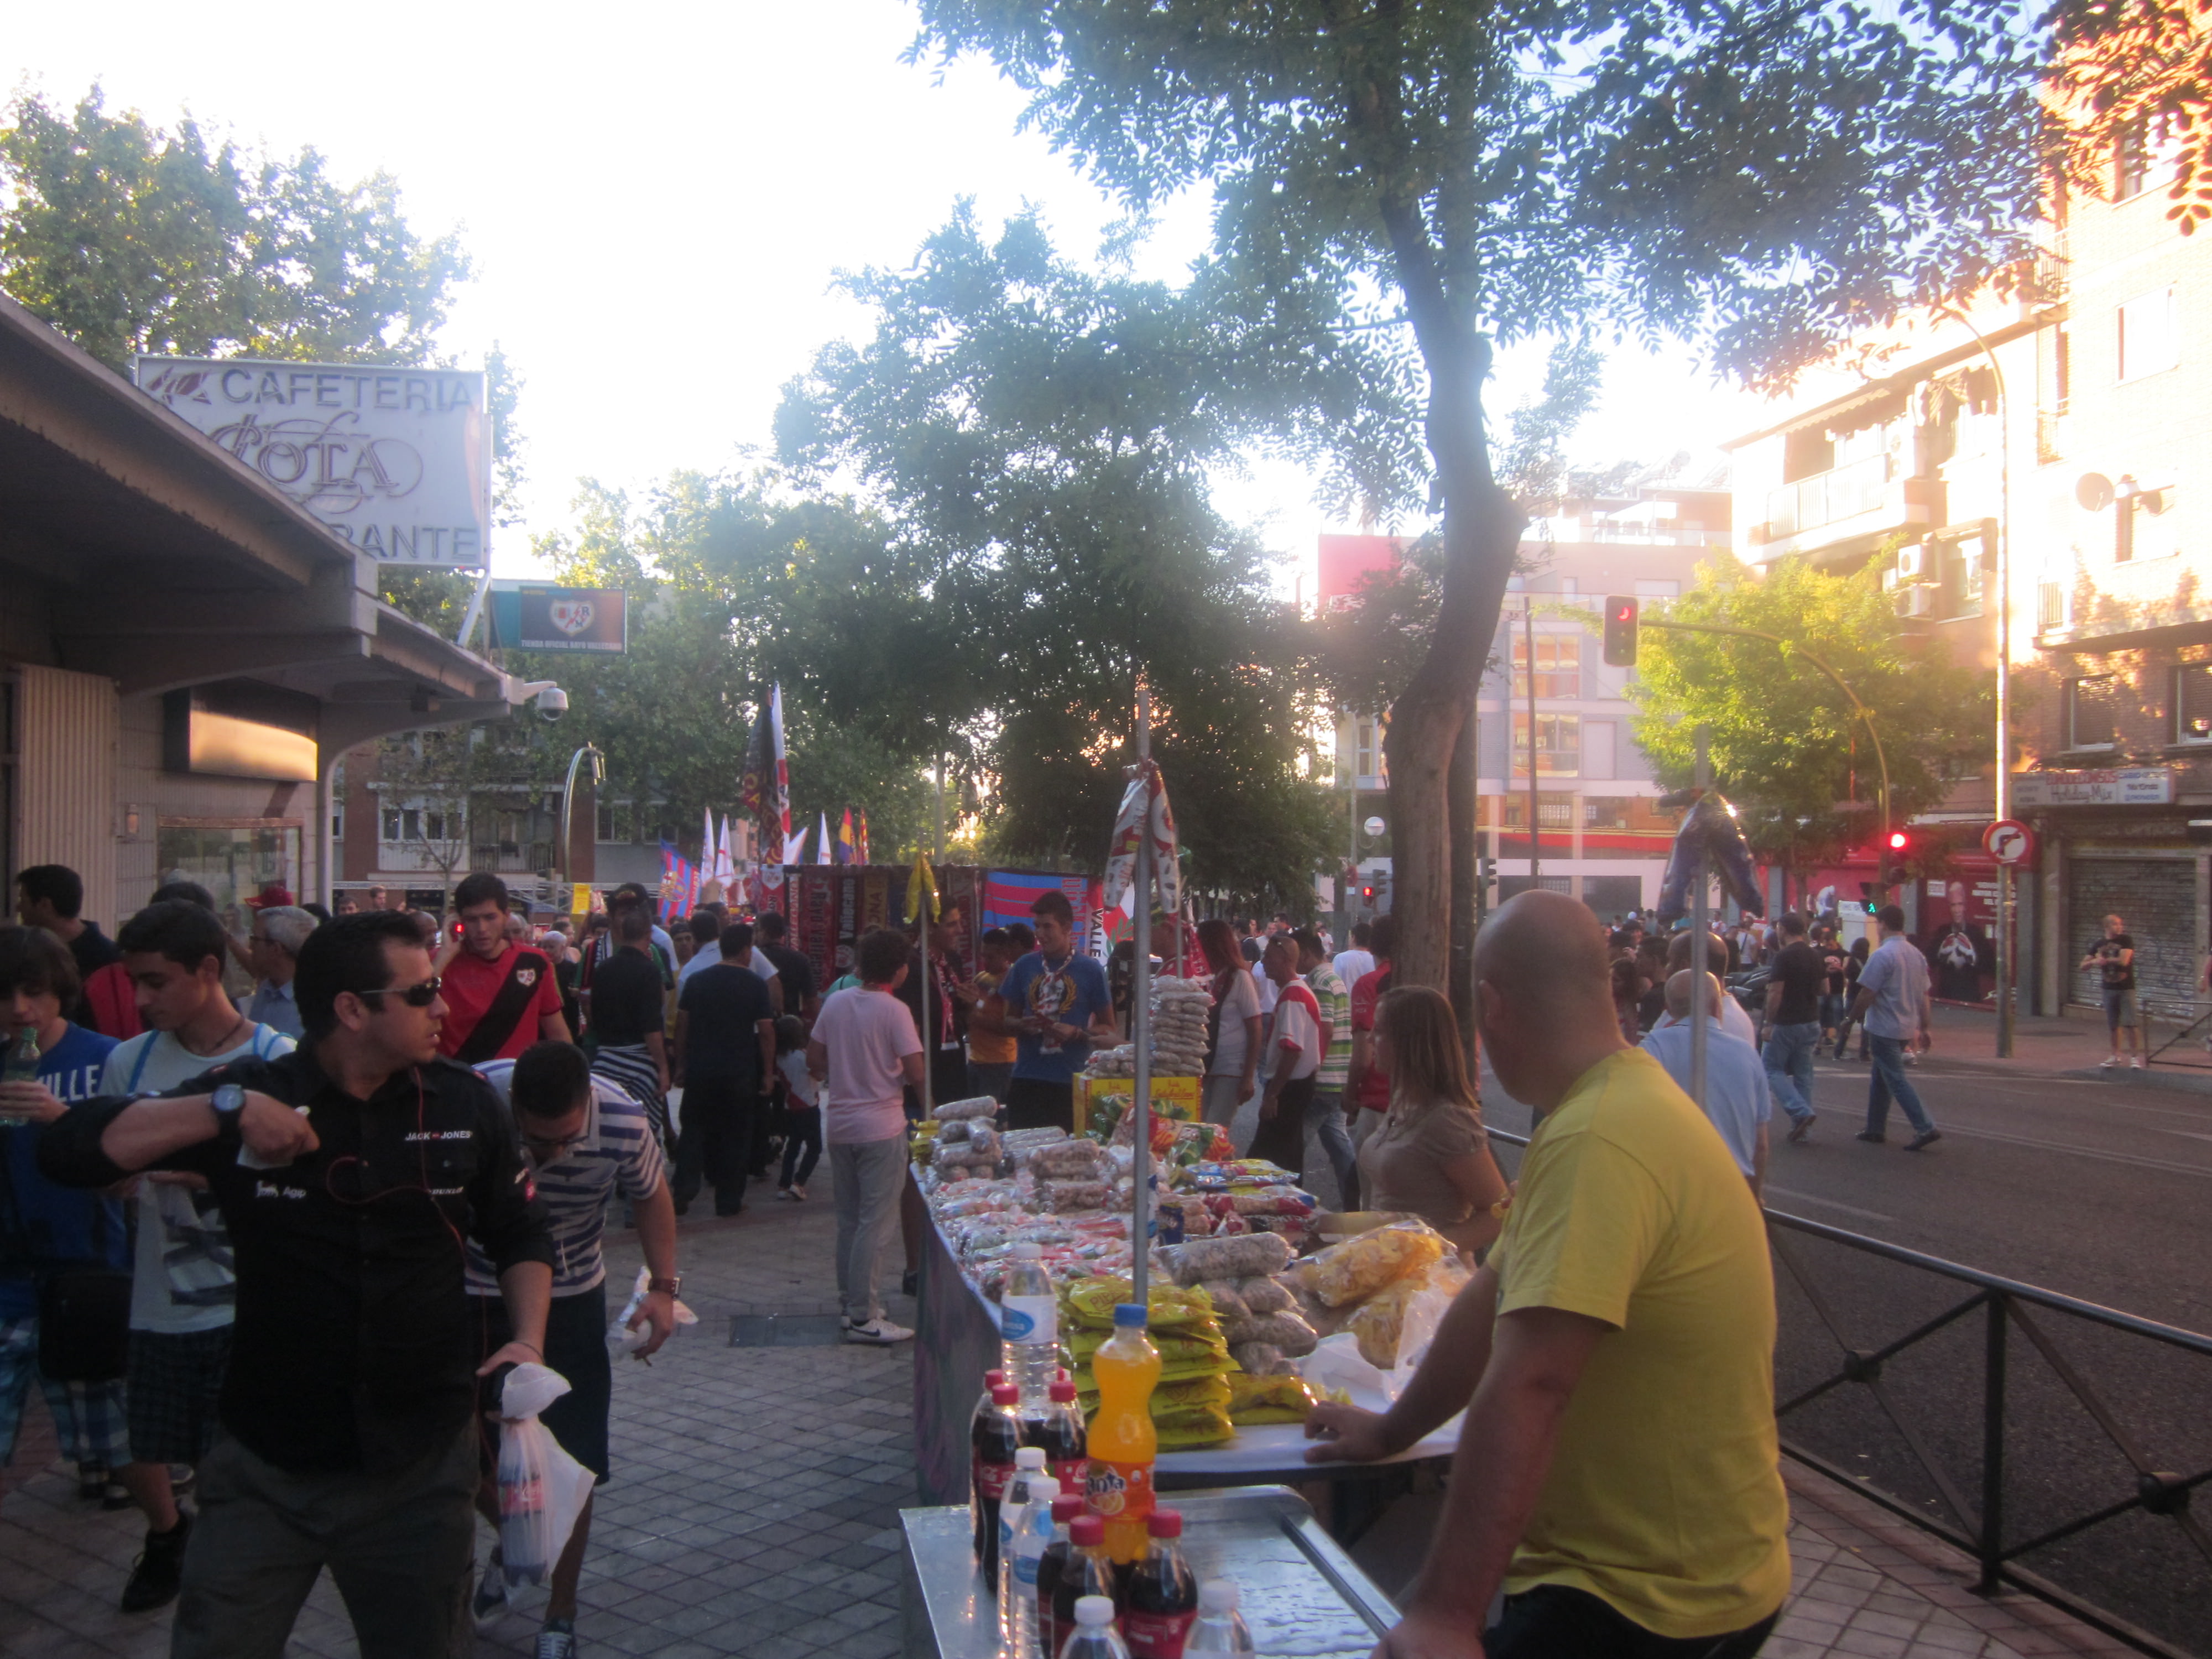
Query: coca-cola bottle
{"x": 997, "y": 1437}
{"x": 1162, "y": 1599}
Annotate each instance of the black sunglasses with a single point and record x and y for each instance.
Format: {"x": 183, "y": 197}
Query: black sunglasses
{"x": 414, "y": 996}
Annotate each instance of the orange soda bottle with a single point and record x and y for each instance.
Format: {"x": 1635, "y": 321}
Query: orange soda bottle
{"x": 1123, "y": 1443}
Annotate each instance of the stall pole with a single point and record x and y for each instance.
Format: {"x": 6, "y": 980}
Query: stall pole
{"x": 928, "y": 1053}
{"x": 1140, "y": 1018}
{"x": 1700, "y": 951}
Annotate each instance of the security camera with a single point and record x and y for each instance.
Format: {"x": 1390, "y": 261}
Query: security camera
{"x": 552, "y": 703}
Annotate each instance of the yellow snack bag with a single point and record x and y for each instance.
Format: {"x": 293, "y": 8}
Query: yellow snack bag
{"x": 1362, "y": 1266}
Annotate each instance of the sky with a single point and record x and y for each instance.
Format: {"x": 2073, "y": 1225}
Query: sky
{"x": 657, "y": 201}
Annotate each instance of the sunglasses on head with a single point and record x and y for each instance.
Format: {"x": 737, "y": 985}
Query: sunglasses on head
{"x": 414, "y": 996}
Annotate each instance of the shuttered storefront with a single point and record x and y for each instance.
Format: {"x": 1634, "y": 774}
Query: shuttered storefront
{"x": 66, "y": 732}
{"x": 2157, "y": 898}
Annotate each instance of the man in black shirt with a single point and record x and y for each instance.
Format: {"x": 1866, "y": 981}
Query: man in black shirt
{"x": 801, "y": 989}
{"x": 1794, "y": 987}
{"x": 630, "y": 1015}
{"x": 726, "y": 1062}
{"x": 349, "y": 1172}
{"x": 51, "y": 895}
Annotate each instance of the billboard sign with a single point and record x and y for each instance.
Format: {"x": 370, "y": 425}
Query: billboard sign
{"x": 533, "y": 616}
{"x": 2126, "y": 786}
{"x": 397, "y": 461}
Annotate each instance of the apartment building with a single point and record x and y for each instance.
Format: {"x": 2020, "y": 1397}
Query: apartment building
{"x": 2067, "y": 422}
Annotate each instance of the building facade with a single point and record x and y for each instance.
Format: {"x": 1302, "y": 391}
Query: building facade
{"x": 2066, "y": 429}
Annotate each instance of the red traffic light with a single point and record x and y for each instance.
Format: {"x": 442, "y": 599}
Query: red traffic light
{"x": 1620, "y": 620}
{"x": 1898, "y": 841}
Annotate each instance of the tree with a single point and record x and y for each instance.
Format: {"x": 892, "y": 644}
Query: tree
{"x": 1767, "y": 177}
{"x": 1039, "y": 540}
{"x": 2134, "y": 75}
{"x": 129, "y": 238}
{"x": 1786, "y": 746}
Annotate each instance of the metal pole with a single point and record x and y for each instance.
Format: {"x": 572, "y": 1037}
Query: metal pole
{"x": 1141, "y": 1022}
{"x": 1351, "y": 881}
{"x": 476, "y": 605}
{"x": 1990, "y": 1538}
{"x": 1700, "y": 951}
{"x": 1528, "y": 639}
{"x": 937, "y": 852}
{"x": 928, "y": 1053}
{"x": 569, "y": 805}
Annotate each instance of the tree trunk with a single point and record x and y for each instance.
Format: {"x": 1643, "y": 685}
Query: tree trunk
{"x": 1464, "y": 842}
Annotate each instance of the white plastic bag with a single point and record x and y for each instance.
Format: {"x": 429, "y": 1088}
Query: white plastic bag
{"x": 542, "y": 1490}
{"x": 621, "y": 1338}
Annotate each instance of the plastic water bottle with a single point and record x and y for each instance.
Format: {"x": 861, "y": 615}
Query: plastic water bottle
{"x": 1095, "y": 1636}
{"x": 1029, "y": 1327}
{"x": 1021, "y": 1553}
{"x": 1219, "y": 1628}
{"x": 21, "y": 1066}
{"x": 1028, "y": 1468}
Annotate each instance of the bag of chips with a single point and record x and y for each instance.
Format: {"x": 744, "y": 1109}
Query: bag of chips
{"x": 1362, "y": 1266}
{"x": 1278, "y": 1399}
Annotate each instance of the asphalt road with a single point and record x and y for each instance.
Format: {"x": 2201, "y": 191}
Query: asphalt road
{"x": 2096, "y": 1190}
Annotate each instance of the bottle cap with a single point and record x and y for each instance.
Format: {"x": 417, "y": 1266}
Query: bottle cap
{"x": 1129, "y": 1315}
{"x": 1094, "y": 1611}
{"x": 1030, "y": 1458}
{"x": 994, "y": 1377}
{"x": 1068, "y": 1508}
{"x": 1216, "y": 1595}
{"x": 1004, "y": 1393}
{"x": 1164, "y": 1523}
{"x": 1064, "y": 1390}
{"x": 1029, "y": 1252}
{"x": 1086, "y": 1529}
{"x": 1044, "y": 1489}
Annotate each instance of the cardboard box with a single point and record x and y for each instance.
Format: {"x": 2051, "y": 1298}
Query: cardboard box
{"x": 1172, "y": 1096}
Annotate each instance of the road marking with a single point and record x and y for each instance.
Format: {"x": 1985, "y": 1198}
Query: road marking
{"x": 2164, "y": 1165}
{"x": 1832, "y": 1204}
{"x": 2186, "y": 1134}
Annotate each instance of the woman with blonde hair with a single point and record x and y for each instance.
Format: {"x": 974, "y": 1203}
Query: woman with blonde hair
{"x": 1431, "y": 1156}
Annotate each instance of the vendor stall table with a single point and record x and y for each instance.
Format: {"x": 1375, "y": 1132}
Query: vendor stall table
{"x": 1301, "y": 1595}
{"x": 958, "y": 1341}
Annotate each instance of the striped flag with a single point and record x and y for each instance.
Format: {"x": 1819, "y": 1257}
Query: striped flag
{"x": 845, "y": 843}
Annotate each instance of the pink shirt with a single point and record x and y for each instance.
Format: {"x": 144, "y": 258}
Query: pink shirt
{"x": 866, "y": 1033}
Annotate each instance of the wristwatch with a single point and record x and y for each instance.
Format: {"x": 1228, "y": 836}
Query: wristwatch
{"x": 228, "y": 1101}
{"x": 668, "y": 1286}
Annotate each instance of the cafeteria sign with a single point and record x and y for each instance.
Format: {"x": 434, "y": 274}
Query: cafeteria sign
{"x": 530, "y": 616}
{"x": 2127, "y": 786}
{"x": 397, "y": 461}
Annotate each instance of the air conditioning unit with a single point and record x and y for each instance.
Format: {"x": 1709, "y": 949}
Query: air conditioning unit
{"x": 1911, "y": 564}
{"x": 1889, "y": 581}
{"x": 1915, "y": 601}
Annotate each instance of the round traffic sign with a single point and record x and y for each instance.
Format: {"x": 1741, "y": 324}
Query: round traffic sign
{"x": 1373, "y": 826}
{"x": 2008, "y": 842}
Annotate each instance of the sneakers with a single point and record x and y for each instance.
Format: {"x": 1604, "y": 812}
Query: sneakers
{"x": 1802, "y": 1128}
{"x": 557, "y": 1640}
{"x": 2138, "y": 1063}
{"x": 159, "y": 1568}
{"x": 878, "y": 1332}
{"x": 1925, "y": 1138}
{"x": 181, "y": 1476}
{"x": 91, "y": 1482}
{"x": 783, "y": 1195}
{"x": 1869, "y": 1134}
{"x": 2108, "y": 1063}
{"x": 798, "y": 1193}
{"x": 489, "y": 1603}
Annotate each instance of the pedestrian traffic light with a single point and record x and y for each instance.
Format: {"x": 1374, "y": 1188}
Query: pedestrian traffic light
{"x": 1620, "y": 632}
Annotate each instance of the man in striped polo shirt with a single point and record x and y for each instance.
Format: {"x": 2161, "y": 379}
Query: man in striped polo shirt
{"x": 586, "y": 1140}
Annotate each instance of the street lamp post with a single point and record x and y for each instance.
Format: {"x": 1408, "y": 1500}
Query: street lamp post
{"x": 569, "y": 805}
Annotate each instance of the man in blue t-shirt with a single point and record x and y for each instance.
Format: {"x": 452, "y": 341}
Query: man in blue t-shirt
{"x": 43, "y": 1226}
{"x": 1054, "y": 1002}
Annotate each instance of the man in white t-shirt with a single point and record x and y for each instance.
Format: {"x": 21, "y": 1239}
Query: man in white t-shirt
{"x": 708, "y": 928}
{"x": 183, "y": 1292}
{"x": 866, "y": 1048}
{"x": 1290, "y": 1054}
{"x": 1355, "y": 961}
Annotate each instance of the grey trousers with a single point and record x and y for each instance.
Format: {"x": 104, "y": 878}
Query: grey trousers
{"x": 398, "y": 1546}
{"x": 865, "y": 1176}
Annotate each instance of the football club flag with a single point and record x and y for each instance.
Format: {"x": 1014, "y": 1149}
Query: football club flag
{"x": 920, "y": 888}
{"x": 822, "y": 853}
{"x": 845, "y": 843}
{"x": 726, "y": 867}
{"x": 765, "y": 796}
{"x": 795, "y": 848}
{"x": 860, "y": 840}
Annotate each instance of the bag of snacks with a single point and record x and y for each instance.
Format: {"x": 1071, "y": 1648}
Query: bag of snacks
{"x": 1242, "y": 1255}
{"x": 1362, "y": 1266}
{"x": 1275, "y": 1399}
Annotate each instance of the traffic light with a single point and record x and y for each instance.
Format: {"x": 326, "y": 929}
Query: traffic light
{"x": 1620, "y": 632}
{"x": 1486, "y": 870}
{"x": 1895, "y": 851}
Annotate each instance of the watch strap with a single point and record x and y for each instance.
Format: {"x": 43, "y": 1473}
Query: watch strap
{"x": 670, "y": 1286}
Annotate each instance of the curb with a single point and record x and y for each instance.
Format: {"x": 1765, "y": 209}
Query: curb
{"x": 2172, "y": 1083}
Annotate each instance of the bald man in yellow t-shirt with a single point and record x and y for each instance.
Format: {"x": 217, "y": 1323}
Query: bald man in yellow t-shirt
{"x": 1618, "y": 1474}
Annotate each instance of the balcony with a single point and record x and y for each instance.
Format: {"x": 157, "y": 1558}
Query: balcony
{"x": 1842, "y": 512}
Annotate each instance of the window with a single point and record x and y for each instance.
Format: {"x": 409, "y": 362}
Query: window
{"x": 2192, "y": 703}
{"x": 1558, "y": 745}
{"x": 1367, "y": 747}
{"x": 1961, "y": 576}
{"x": 1559, "y": 665}
{"x": 2092, "y": 705}
{"x": 1554, "y": 812}
{"x": 2149, "y": 343}
{"x": 1805, "y": 451}
{"x": 2144, "y": 158}
{"x": 617, "y": 821}
{"x": 419, "y": 823}
{"x": 2050, "y": 606}
{"x": 1605, "y": 812}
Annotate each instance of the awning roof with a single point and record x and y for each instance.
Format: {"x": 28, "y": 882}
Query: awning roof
{"x": 161, "y": 562}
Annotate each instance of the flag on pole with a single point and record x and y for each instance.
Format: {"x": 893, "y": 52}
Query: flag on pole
{"x": 1145, "y": 813}
{"x": 860, "y": 840}
{"x": 920, "y": 888}
{"x": 845, "y": 844}
{"x": 726, "y": 867}
{"x": 795, "y": 848}
{"x": 822, "y": 853}
{"x": 706, "y": 866}
{"x": 765, "y": 797}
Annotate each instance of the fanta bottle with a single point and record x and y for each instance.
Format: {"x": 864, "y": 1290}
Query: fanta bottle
{"x": 1123, "y": 1443}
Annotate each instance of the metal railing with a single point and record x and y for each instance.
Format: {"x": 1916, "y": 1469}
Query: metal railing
{"x": 1826, "y": 498}
{"x": 2120, "y": 1549}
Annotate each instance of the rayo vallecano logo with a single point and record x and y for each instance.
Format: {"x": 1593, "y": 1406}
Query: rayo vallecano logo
{"x": 525, "y": 977}
{"x": 571, "y": 617}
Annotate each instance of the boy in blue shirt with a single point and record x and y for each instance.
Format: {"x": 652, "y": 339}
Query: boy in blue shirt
{"x": 1055, "y": 1003}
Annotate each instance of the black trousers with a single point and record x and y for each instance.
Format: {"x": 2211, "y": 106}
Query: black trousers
{"x": 720, "y": 1116}
{"x": 802, "y": 1147}
{"x": 1281, "y": 1139}
{"x": 1554, "y": 1622}
{"x": 1035, "y": 1103}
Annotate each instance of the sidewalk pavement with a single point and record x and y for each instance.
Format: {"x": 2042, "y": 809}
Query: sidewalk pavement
{"x": 754, "y": 1509}
{"x": 2071, "y": 1046}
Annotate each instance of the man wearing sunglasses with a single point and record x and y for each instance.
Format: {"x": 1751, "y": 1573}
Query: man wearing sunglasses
{"x": 351, "y": 1173}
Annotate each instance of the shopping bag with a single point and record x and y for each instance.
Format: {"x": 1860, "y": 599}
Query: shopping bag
{"x": 542, "y": 1490}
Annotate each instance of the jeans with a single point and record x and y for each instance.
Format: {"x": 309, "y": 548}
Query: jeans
{"x": 1889, "y": 1080}
{"x": 990, "y": 1079}
{"x": 1789, "y": 1057}
{"x": 1831, "y": 1010}
{"x": 1325, "y": 1117}
{"x": 1218, "y": 1096}
{"x": 806, "y": 1136}
{"x": 1281, "y": 1139}
{"x": 398, "y": 1546}
{"x": 1554, "y": 1622}
{"x": 717, "y": 1141}
{"x": 866, "y": 1177}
